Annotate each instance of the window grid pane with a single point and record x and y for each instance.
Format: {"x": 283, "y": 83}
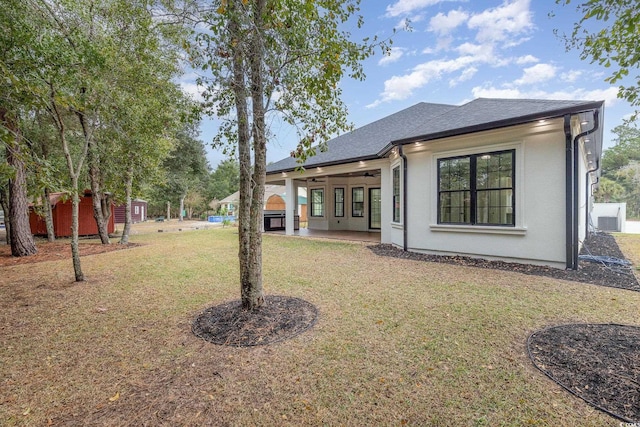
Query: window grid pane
{"x": 396, "y": 194}
{"x": 317, "y": 202}
{"x": 477, "y": 189}
{"x": 339, "y": 201}
{"x": 357, "y": 202}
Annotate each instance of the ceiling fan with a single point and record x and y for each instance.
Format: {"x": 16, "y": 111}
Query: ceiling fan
{"x": 369, "y": 175}
{"x": 316, "y": 180}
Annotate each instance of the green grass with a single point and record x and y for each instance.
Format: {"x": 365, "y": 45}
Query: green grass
{"x": 397, "y": 341}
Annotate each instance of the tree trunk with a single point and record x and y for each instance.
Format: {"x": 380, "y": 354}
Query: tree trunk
{"x": 4, "y": 203}
{"x": 75, "y": 249}
{"x": 180, "y": 214}
{"x": 248, "y": 297}
{"x": 256, "y": 296}
{"x": 97, "y": 198}
{"x": 168, "y": 211}
{"x": 93, "y": 157}
{"x": 105, "y": 201}
{"x": 21, "y": 239}
{"x": 48, "y": 216}
{"x": 73, "y": 176}
{"x": 128, "y": 184}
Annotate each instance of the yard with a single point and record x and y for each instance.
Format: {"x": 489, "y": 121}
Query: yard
{"x": 397, "y": 341}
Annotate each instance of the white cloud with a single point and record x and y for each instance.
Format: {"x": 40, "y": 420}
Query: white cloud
{"x": 444, "y": 24}
{"x": 192, "y": 89}
{"x": 537, "y": 74}
{"x": 503, "y": 23}
{"x": 394, "y": 55}
{"x": 571, "y": 76}
{"x": 467, "y": 74}
{"x": 484, "y": 52}
{"x": 608, "y": 95}
{"x": 403, "y": 7}
{"x": 406, "y": 23}
{"x": 401, "y": 87}
{"x": 492, "y": 92}
{"x": 527, "y": 59}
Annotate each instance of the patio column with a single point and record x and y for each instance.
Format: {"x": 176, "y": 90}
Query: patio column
{"x": 290, "y": 205}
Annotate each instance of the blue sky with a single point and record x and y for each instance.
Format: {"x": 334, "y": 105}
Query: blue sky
{"x": 456, "y": 52}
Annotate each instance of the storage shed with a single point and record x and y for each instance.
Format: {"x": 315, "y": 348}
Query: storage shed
{"x": 61, "y": 208}
{"x": 138, "y": 212}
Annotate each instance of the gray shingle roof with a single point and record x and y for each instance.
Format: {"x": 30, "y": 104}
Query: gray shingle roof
{"x": 485, "y": 113}
{"x": 365, "y": 142}
{"x": 426, "y": 121}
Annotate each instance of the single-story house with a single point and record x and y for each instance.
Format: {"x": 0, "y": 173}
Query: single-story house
{"x": 61, "y": 210}
{"x": 507, "y": 179}
{"x": 138, "y": 212}
{"x": 230, "y": 203}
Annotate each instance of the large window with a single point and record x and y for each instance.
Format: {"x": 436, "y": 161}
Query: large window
{"x": 317, "y": 202}
{"x": 477, "y": 189}
{"x": 338, "y": 195}
{"x": 396, "y": 194}
{"x": 357, "y": 201}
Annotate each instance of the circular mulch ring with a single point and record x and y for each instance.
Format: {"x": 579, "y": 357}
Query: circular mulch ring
{"x": 280, "y": 318}
{"x": 599, "y": 363}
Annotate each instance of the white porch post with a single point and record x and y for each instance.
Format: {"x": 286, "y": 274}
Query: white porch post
{"x": 290, "y": 205}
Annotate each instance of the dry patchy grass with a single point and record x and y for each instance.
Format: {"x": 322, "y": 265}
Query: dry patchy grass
{"x": 397, "y": 341}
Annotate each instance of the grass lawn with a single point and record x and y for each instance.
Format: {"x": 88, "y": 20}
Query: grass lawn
{"x": 397, "y": 342}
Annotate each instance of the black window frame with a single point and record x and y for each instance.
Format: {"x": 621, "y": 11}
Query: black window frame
{"x": 313, "y": 202}
{"x": 359, "y": 203}
{"x": 473, "y": 190}
{"x": 336, "y": 203}
{"x": 395, "y": 185}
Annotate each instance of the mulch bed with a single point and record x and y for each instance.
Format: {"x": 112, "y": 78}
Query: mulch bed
{"x": 598, "y": 363}
{"x": 58, "y": 250}
{"x": 588, "y": 272}
{"x": 280, "y": 318}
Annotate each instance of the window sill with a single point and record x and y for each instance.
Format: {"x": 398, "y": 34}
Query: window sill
{"x": 397, "y": 225}
{"x": 479, "y": 229}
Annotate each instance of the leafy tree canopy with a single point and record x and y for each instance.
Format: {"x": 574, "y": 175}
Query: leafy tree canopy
{"x": 607, "y": 34}
{"x": 620, "y": 181}
{"x": 224, "y": 180}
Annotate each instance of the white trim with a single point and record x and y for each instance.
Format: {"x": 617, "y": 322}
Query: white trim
{"x": 396, "y": 164}
{"x": 481, "y": 229}
{"x": 324, "y": 202}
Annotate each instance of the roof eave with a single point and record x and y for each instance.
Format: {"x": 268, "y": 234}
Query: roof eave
{"x": 326, "y": 164}
{"x": 494, "y": 125}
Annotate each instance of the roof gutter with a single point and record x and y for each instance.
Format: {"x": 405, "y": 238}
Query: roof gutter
{"x": 588, "y": 193}
{"x": 323, "y": 165}
{"x": 405, "y": 170}
{"x": 571, "y": 187}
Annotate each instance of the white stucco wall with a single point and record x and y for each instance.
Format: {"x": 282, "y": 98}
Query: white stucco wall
{"x": 329, "y": 178}
{"x": 539, "y": 234}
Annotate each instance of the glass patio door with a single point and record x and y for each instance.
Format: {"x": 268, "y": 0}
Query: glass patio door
{"x": 375, "y": 208}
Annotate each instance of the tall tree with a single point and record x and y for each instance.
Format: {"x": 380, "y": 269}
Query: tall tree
{"x": 224, "y": 180}
{"x": 14, "y": 69}
{"x": 620, "y": 180}
{"x": 186, "y": 168}
{"x": 607, "y": 34}
{"x": 21, "y": 239}
{"x": 284, "y": 58}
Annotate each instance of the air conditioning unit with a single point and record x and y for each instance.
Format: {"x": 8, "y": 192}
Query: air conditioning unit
{"x": 608, "y": 223}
